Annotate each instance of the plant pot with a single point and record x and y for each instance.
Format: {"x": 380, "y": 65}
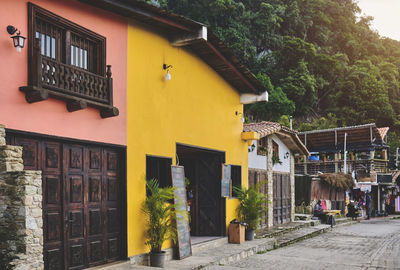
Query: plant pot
{"x": 249, "y": 235}
{"x": 157, "y": 259}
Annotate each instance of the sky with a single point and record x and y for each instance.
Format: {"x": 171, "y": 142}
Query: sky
{"x": 386, "y": 15}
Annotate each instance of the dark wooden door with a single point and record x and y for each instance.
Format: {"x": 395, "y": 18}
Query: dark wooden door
{"x": 82, "y": 202}
{"x": 281, "y": 198}
{"x": 209, "y": 212}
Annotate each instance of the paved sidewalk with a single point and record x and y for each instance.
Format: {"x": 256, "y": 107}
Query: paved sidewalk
{"x": 230, "y": 253}
{"x": 370, "y": 244}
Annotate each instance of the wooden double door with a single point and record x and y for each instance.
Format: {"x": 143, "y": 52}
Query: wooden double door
{"x": 282, "y": 200}
{"x": 203, "y": 168}
{"x": 82, "y": 200}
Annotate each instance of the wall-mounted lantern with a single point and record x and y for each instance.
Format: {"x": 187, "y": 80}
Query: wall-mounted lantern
{"x": 241, "y": 118}
{"x": 18, "y": 40}
{"x": 168, "y": 75}
{"x": 286, "y": 156}
{"x": 252, "y": 147}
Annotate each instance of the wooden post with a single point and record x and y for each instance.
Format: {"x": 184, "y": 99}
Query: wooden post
{"x": 337, "y": 159}
{"x": 305, "y": 164}
{"x": 270, "y": 209}
{"x": 35, "y": 66}
{"x": 109, "y": 85}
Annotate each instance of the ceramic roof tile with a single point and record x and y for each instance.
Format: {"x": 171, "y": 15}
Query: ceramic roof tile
{"x": 383, "y": 131}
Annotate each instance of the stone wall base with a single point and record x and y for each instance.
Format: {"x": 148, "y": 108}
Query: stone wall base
{"x": 21, "y": 224}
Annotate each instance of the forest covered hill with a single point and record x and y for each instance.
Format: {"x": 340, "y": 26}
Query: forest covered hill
{"x": 319, "y": 59}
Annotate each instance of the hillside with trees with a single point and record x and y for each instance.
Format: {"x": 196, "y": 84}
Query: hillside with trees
{"x": 319, "y": 59}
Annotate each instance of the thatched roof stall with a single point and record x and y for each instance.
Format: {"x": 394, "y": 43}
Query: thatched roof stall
{"x": 338, "y": 180}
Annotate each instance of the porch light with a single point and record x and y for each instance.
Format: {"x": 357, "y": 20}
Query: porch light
{"x": 252, "y": 147}
{"x": 18, "y": 40}
{"x": 168, "y": 75}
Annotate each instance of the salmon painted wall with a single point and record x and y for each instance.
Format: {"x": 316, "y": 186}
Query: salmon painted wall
{"x": 51, "y": 116}
{"x": 196, "y": 107}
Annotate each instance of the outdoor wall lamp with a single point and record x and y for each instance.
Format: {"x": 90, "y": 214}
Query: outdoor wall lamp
{"x": 18, "y": 40}
{"x": 252, "y": 147}
{"x": 168, "y": 75}
{"x": 242, "y": 118}
{"x": 286, "y": 155}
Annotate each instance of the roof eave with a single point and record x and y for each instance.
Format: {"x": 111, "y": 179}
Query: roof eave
{"x": 180, "y": 27}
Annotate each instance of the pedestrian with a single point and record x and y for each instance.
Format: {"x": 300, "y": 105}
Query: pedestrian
{"x": 319, "y": 212}
{"x": 368, "y": 201}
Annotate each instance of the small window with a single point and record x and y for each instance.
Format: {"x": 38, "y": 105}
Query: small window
{"x": 275, "y": 149}
{"x": 275, "y": 153}
{"x": 236, "y": 176}
{"x": 67, "y": 42}
{"x": 262, "y": 147}
{"x": 159, "y": 168}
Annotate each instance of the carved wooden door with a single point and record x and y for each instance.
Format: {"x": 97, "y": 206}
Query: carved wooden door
{"x": 75, "y": 183}
{"x": 277, "y": 202}
{"x": 281, "y": 198}
{"x": 208, "y": 181}
{"x": 81, "y": 201}
{"x": 92, "y": 206}
{"x": 286, "y": 198}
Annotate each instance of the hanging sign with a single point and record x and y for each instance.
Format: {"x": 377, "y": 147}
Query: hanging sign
{"x": 183, "y": 231}
{"x": 226, "y": 181}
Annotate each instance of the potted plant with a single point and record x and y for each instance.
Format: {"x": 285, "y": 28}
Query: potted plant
{"x": 252, "y": 204}
{"x": 161, "y": 215}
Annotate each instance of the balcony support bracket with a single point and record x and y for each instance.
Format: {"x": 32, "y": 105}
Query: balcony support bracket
{"x": 34, "y": 94}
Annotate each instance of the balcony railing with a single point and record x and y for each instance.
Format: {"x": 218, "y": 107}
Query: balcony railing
{"x": 79, "y": 88}
{"x": 362, "y": 168}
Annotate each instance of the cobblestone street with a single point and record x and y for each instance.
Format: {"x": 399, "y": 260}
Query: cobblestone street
{"x": 373, "y": 244}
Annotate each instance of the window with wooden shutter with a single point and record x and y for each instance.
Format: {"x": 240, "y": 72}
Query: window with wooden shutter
{"x": 68, "y": 62}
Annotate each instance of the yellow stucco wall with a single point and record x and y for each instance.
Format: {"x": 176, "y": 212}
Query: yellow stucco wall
{"x": 197, "y": 107}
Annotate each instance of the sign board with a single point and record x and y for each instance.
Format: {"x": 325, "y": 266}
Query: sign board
{"x": 183, "y": 231}
{"x": 384, "y": 178}
{"x": 364, "y": 187}
{"x": 226, "y": 181}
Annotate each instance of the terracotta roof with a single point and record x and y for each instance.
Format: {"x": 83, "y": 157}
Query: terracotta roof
{"x": 263, "y": 128}
{"x": 211, "y": 49}
{"x": 383, "y": 131}
{"x": 266, "y": 128}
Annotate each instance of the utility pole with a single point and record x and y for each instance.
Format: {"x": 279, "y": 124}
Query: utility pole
{"x": 397, "y": 158}
{"x": 291, "y": 122}
{"x": 345, "y": 154}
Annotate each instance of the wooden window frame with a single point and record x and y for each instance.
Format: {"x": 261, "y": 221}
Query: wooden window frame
{"x": 236, "y": 177}
{"x": 35, "y": 11}
{"x": 165, "y": 180}
{"x": 262, "y": 146}
{"x": 56, "y": 77}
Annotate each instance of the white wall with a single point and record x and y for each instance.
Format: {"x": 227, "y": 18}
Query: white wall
{"x": 256, "y": 161}
{"x": 285, "y": 166}
{"x": 260, "y": 162}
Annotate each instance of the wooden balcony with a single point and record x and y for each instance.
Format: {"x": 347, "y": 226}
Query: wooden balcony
{"x": 362, "y": 168}
{"x": 79, "y": 88}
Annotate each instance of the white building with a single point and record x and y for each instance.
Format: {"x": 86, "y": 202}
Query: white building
{"x": 271, "y": 158}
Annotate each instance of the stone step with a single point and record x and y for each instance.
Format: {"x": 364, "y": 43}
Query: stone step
{"x": 197, "y": 248}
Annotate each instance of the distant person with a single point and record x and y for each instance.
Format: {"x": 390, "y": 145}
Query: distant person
{"x": 368, "y": 201}
{"x": 319, "y": 212}
{"x": 352, "y": 210}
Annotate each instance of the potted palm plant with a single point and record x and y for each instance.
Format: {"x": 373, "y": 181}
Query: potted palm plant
{"x": 161, "y": 215}
{"x": 252, "y": 204}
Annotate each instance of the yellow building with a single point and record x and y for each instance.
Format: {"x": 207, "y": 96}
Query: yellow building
{"x": 185, "y": 106}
